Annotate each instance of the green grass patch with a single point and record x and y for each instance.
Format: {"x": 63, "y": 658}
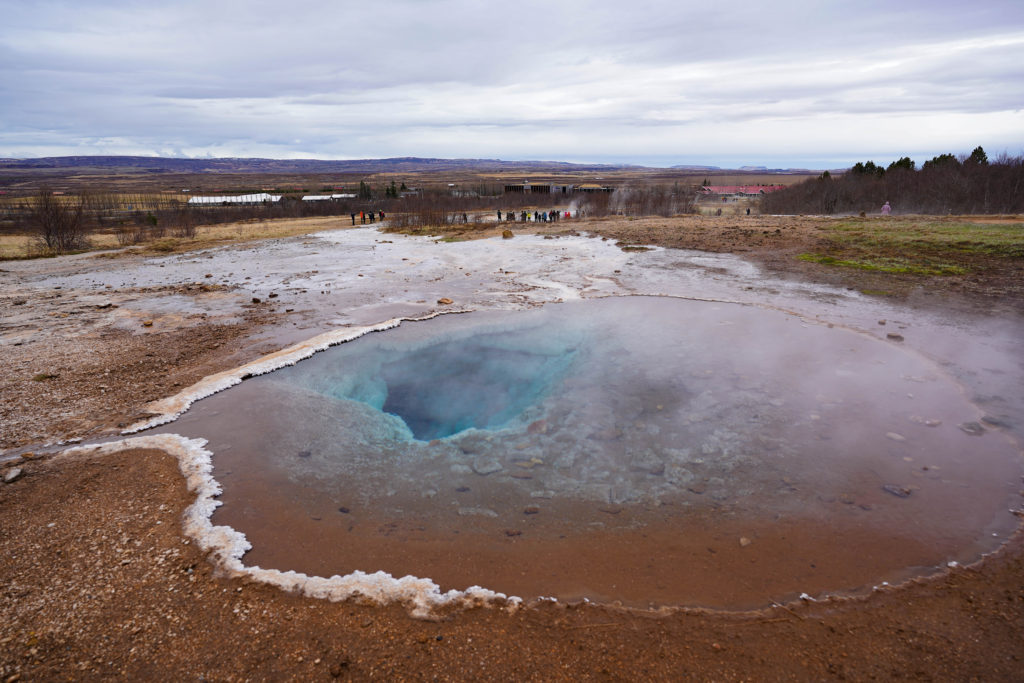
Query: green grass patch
{"x": 887, "y": 265}
{"x": 932, "y": 237}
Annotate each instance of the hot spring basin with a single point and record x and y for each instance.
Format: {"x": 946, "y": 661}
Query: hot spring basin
{"x": 644, "y": 450}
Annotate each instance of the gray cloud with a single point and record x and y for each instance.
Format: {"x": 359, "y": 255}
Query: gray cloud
{"x": 686, "y": 82}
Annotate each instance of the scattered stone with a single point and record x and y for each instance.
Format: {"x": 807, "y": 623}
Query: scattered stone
{"x": 208, "y": 275}
{"x": 147, "y": 323}
{"x": 898, "y": 491}
{"x": 304, "y": 454}
{"x": 895, "y": 337}
{"x": 972, "y": 428}
{"x": 512, "y": 533}
{"x": 698, "y": 488}
{"x": 531, "y": 510}
{"x": 881, "y": 322}
{"x": 445, "y": 301}
{"x": 272, "y": 295}
{"x": 12, "y": 475}
{"x": 506, "y": 234}
{"x": 462, "y": 489}
{"x": 538, "y": 427}
{"x": 344, "y": 510}
{"x": 744, "y": 541}
{"x": 28, "y": 455}
{"x": 610, "y": 510}
{"x": 484, "y": 466}
{"x": 19, "y": 302}
{"x": 256, "y": 300}
{"x": 895, "y": 437}
{"x": 477, "y": 512}
{"x": 917, "y": 419}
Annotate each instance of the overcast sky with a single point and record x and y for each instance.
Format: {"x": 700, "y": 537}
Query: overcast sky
{"x": 782, "y": 84}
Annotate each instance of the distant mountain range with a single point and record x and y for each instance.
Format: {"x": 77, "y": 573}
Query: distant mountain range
{"x": 286, "y": 166}
{"x": 233, "y": 165}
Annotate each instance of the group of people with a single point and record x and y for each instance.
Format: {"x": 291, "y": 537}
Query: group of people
{"x": 537, "y": 216}
{"x": 367, "y": 215}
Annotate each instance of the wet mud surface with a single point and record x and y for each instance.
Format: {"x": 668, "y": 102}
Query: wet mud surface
{"x": 74, "y": 608}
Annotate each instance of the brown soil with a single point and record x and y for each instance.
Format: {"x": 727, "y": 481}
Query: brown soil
{"x": 97, "y": 579}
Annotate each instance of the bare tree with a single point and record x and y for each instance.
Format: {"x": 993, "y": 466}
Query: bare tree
{"x": 58, "y": 222}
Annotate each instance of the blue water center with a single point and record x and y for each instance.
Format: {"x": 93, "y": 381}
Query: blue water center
{"x": 448, "y": 388}
{"x": 443, "y": 385}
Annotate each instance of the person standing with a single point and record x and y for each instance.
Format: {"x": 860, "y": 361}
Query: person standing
{"x": 353, "y": 218}
{"x": 886, "y": 209}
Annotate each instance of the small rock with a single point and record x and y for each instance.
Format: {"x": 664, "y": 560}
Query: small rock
{"x": 538, "y": 427}
{"x": 344, "y": 510}
{"x": 972, "y": 428}
{"x": 147, "y": 323}
{"x": 511, "y": 533}
{"x": 898, "y": 491}
{"x": 12, "y": 475}
{"x": 476, "y": 512}
{"x": 744, "y": 541}
{"x": 485, "y": 466}
{"x": 531, "y": 510}
{"x": 272, "y": 295}
{"x": 256, "y": 300}
{"x": 28, "y": 455}
{"x": 895, "y": 337}
{"x": 506, "y": 234}
{"x": 895, "y": 437}
{"x": 445, "y": 301}
{"x": 208, "y": 275}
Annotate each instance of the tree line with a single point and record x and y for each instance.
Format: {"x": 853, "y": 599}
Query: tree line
{"x": 946, "y": 184}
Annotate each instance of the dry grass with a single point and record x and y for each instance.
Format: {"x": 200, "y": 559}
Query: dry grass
{"x": 22, "y": 246}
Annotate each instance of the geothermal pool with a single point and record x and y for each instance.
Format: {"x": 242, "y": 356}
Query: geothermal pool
{"x": 641, "y": 450}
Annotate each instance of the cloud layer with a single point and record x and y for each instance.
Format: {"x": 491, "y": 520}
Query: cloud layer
{"x": 781, "y": 84}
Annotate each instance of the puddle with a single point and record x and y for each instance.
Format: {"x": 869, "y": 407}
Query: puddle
{"x": 645, "y": 450}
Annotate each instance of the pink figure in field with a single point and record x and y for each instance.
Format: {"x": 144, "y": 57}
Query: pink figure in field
{"x": 886, "y": 209}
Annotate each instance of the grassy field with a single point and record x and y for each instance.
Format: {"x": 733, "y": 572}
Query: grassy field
{"x": 920, "y": 246}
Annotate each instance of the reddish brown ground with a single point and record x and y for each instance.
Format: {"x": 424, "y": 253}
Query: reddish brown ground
{"x": 96, "y": 579}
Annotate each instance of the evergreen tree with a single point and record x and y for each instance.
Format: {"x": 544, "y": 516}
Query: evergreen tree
{"x": 978, "y": 156}
{"x": 905, "y": 163}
